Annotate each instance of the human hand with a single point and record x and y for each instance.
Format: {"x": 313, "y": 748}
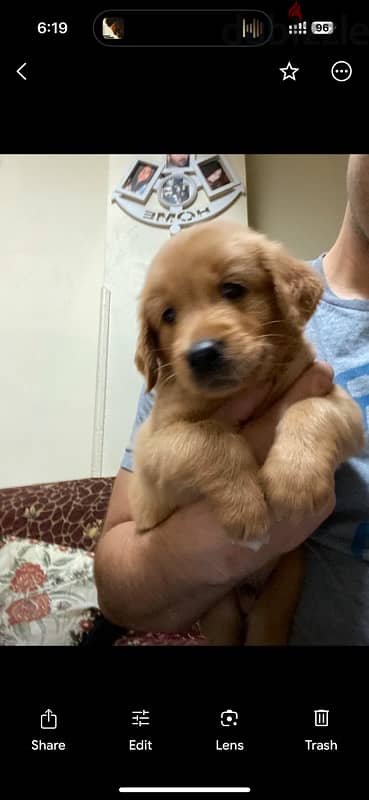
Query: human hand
{"x": 168, "y": 578}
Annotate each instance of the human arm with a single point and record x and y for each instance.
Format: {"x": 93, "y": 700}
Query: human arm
{"x": 168, "y": 578}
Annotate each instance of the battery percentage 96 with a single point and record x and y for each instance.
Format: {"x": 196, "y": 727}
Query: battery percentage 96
{"x": 322, "y": 28}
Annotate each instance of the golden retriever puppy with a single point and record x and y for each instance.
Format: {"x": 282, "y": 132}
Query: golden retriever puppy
{"x": 222, "y": 309}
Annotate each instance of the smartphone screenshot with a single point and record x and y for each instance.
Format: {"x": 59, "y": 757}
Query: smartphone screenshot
{"x": 184, "y": 407}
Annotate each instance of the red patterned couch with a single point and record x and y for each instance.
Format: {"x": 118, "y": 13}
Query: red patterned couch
{"x": 48, "y": 534}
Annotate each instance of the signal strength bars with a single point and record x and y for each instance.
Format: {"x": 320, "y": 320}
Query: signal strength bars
{"x": 298, "y": 28}
{"x": 254, "y": 28}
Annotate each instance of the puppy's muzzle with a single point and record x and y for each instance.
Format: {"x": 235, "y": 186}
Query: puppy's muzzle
{"x": 206, "y": 357}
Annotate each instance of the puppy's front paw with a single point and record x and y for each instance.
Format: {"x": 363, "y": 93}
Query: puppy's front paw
{"x": 243, "y": 511}
{"x": 294, "y": 492}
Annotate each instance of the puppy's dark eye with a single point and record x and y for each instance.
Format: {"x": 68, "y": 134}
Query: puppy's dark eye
{"x": 232, "y": 291}
{"x": 169, "y": 315}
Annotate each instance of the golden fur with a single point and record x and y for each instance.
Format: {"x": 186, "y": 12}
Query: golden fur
{"x": 182, "y": 453}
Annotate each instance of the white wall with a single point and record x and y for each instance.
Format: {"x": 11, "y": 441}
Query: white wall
{"x": 52, "y": 236}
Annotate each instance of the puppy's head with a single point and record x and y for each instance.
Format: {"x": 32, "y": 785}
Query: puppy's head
{"x": 222, "y": 305}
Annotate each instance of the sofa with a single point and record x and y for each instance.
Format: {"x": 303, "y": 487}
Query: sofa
{"x": 48, "y": 534}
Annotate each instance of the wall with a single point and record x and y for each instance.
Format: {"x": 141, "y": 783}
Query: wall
{"x": 52, "y": 236}
{"x": 298, "y": 199}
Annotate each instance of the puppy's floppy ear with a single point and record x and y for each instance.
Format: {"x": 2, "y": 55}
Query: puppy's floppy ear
{"x": 146, "y": 358}
{"x": 298, "y": 288}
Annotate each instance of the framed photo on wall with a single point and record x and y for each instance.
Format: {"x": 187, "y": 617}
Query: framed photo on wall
{"x": 179, "y": 161}
{"x": 216, "y": 175}
{"x": 177, "y": 191}
{"x": 140, "y": 180}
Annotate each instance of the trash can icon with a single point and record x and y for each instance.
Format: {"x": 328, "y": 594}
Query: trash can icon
{"x": 321, "y": 718}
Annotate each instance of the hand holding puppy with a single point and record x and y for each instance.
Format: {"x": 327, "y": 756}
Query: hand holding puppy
{"x": 167, "y": 579}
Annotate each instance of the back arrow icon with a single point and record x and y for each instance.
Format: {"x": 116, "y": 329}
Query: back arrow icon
{"x": 19, "y": 71}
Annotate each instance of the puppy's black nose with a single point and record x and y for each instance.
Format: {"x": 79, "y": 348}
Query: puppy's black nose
{"x": 205, "y": 356}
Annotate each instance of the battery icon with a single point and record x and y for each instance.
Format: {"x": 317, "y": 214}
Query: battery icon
{"x": 322, "y": 28}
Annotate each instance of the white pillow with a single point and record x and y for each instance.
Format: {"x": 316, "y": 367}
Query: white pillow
{"x": 47, "y": 593}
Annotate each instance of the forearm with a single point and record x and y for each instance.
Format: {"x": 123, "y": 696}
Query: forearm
{"x": 165, "y": 579}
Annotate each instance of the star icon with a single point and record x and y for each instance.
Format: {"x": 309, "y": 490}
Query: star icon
{"x": 289, "y": 71}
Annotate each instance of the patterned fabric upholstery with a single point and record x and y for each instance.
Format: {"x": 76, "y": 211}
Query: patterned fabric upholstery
{"x": 70, "y": 514}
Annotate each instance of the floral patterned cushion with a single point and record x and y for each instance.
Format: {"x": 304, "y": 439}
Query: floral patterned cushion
{"x": 48, "y": 534}
{"x": 47, "y": 593}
